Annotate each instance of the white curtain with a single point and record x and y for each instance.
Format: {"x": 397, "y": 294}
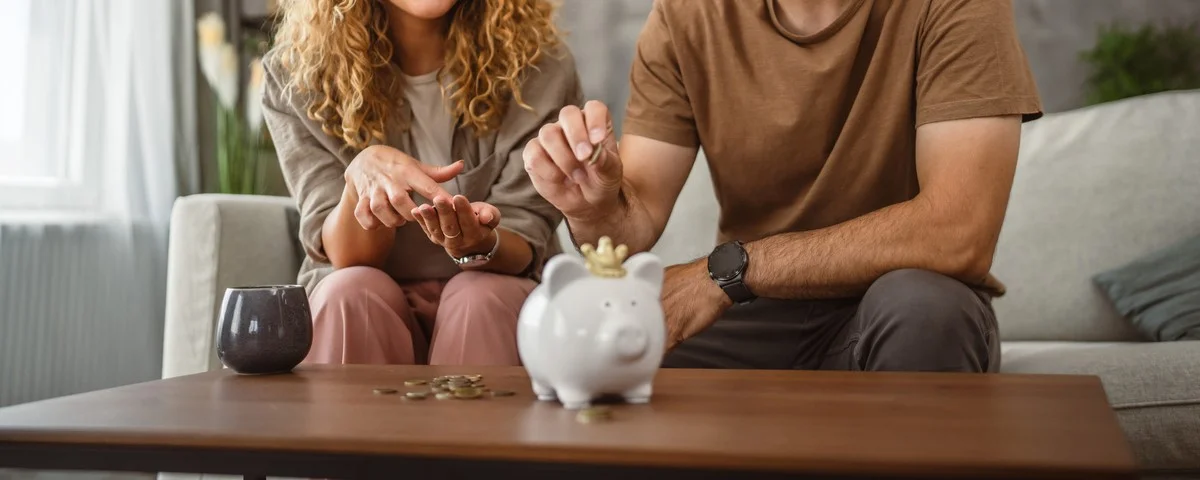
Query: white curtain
{"x": 111, "y": 103}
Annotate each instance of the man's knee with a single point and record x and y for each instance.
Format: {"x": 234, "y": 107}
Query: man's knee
{"x": 922, "y": 320}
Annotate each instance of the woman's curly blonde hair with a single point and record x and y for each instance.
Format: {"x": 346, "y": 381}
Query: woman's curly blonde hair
{"x": 335, "y": 51}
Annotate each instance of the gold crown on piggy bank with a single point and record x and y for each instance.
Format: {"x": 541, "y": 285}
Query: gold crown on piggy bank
{"x": 605, "y": 261}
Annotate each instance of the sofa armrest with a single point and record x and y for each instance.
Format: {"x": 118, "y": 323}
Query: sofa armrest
{"x": 217, "y": 242}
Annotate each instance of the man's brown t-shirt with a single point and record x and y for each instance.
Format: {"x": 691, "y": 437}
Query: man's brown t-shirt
{"x": 805, "y": 132}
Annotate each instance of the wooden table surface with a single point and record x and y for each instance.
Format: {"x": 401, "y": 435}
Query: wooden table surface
{"x": 821, "y": 423}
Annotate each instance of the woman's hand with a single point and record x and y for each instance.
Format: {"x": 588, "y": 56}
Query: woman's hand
{"x": 383, "y": 178}
{"x": 461, "y": 227}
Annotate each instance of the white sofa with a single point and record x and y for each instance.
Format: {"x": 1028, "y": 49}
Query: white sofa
{"x": 1095, "y": 188}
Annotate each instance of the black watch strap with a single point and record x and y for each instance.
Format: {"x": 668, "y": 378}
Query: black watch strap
{"x": 737, "y": 291}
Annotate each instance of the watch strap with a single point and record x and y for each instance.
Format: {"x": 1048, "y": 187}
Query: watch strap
{"x": 479, "y": 259}
{"x": 737, "y": 291}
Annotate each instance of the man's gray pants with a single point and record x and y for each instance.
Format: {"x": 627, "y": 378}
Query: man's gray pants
{"x": 908, "y": 320}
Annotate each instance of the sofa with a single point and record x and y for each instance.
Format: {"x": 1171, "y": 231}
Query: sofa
{"x": 1095, "y": 188}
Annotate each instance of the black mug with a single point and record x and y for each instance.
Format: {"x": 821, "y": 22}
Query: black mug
{"x": 264, "y": 329}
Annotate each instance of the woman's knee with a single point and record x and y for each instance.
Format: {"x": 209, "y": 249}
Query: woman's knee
{"x": 353, "y": 285}
{"x": 486, "y": 291}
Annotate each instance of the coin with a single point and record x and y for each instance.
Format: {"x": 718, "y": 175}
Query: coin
{"x": 594, "y": 415}
{"x": 444, "y": 395}
{"x": 414, "y": 382}
{"x": 467, "y": 392}
{"x": 475, "y": 378}
{"x": 416, "y": 395}
{"x": 384, "y": 391}
{"x": 503, "y": 393}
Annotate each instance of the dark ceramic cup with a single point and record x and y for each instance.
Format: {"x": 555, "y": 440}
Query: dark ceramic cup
{"x": 266, "y": 329}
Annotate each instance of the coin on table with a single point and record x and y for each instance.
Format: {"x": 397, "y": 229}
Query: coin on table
{"x": 503, "y": 393}
{"x": 594, "y": 415}
{"x": 384, "y": 391}
{"x": 416, "y": 395}
{"x": 444, "y": 395}
{"x": 468, "y": 392}
{"x": 415, "y": 382}
{"x": 475, "y": 378}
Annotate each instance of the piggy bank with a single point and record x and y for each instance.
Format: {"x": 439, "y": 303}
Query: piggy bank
{"x": 594, "y": 327}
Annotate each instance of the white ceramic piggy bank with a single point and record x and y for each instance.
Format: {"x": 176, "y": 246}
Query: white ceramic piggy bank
{"x": 594, "y": 328}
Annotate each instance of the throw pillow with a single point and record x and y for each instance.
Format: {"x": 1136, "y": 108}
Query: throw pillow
{"x": 1160, "y": 293}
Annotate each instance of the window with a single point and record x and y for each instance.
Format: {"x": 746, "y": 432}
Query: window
{"x": 47, "y": 107}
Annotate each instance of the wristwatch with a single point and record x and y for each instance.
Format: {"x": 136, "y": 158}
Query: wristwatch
{"x": 479, "y": 259}
{"x": 727, "y": 266}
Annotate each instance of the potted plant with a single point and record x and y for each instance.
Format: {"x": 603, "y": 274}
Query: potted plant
{"x": 1126, "y": 62}
{"x": 240, "y": 136}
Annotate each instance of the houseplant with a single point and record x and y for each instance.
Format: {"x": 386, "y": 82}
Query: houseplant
{"x": 1130, "y": 62}
{"x": 240, "y": 138}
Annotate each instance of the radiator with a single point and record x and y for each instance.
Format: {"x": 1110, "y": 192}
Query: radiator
{"x": 81, "y": 306}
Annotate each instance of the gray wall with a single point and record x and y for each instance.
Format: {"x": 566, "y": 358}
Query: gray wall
{"x": 603, "y": 33}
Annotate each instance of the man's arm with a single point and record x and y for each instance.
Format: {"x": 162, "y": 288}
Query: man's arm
{"x": 965, "y": 169}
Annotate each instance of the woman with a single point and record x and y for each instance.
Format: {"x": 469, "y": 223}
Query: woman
{"x": 399, "y": 126}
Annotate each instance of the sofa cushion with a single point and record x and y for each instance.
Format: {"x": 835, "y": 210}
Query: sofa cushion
{"x": 1153, "y": 387}
{"x": 1160, "y": 293}
{"x": 1095, "y": 189}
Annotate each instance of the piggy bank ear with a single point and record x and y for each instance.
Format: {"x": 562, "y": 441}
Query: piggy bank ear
{"x": 647, "y": 268}
{"x": 562, "y": 270}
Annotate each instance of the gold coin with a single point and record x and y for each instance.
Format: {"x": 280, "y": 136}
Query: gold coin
{"x": 475, "y": 378}
{"x": 416, "y": 395}
{"x": 414, "y": 382}
{"x": 467, "y": 392}
{"x": 384, "y": 391}
{"x": 444, "y": 395}
{"x": 503, "y": 393}
{"x": 594, "y": 415}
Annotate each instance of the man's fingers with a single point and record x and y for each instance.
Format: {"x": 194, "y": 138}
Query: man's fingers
{"x": 382, "y": 208}
{"x": 442, "y": 174}
{"x": 447, "y": 219}
{"x": 555, "y": 144}
{"x": 432, "y": 224}
{"x": 570, "y": 118}
{"x": 596, "y": 116}
{"x": 539, "y": 164}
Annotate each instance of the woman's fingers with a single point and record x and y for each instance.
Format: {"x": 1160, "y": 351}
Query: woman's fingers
{"x": 432, "y": 224}
{"x": 487, "y": 214}
{"x": 362, "y": 213}
{"x": 382, "y": 208}
{"x": 465, "y": 216}
{"x": 402, "y": 203}
{"x": 447, "y": 218}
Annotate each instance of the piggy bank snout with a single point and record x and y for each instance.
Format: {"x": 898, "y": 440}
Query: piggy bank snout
{"x": 628, "y": 341}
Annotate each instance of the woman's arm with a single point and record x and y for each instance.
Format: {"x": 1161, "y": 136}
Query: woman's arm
{"x": 347, "y": 243}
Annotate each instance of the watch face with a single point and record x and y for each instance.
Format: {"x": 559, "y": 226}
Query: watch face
{"x": 727, "y": 261}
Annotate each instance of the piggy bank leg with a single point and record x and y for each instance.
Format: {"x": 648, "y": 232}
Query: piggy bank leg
{"x": 574, "y": 399}
{"x": 543, "y": 391}
{"x": 640, "y": 393}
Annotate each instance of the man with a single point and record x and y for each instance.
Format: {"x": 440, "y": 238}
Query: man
{"x": 862, "y": 152}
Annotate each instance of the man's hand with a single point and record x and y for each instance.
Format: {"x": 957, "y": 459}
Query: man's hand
{"x": 691, "y": 301}
{"x": 559, "y": 163}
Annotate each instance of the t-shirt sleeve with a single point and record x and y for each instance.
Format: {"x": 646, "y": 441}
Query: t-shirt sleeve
{"x": 658, "y": 102}
{"x": 970, "y": 63}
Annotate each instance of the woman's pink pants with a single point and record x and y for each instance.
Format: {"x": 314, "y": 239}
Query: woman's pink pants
{"x": 361, "y": 315}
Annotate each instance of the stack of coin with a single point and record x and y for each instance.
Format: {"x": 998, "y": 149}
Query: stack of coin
{"x": 463, "y": 387}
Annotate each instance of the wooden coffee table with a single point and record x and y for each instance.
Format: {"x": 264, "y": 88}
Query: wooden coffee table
{"x": 325, "y": 422}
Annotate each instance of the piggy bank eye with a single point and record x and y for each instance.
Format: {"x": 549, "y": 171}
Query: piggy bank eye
{"x": 607, "y": 304}
{"x": 633, "y": 303}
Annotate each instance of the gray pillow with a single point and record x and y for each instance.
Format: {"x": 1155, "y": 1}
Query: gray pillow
{"x": 1160, "y": 293}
